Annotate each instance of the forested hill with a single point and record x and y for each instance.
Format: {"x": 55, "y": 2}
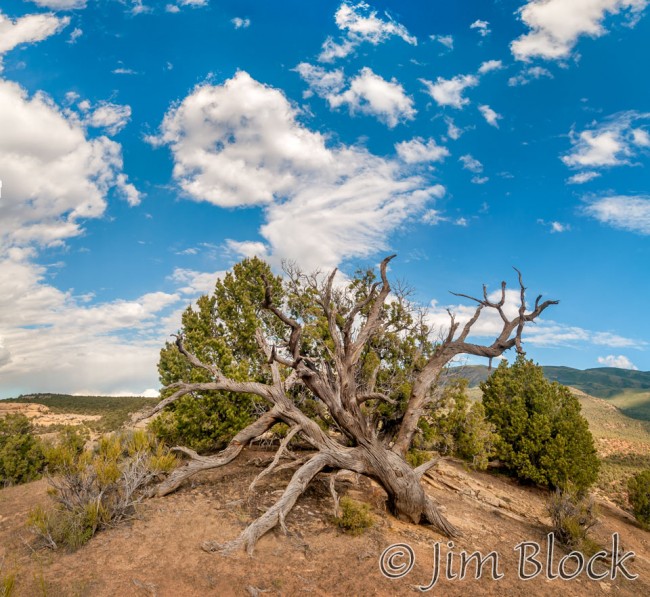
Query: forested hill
{"x": 602, "y": 382}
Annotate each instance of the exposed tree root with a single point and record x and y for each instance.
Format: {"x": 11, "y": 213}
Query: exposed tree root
{"x": 275, "y": 514}
{"x": 204, "y": 463}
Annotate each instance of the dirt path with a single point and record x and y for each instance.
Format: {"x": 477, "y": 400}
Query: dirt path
{"x": 158, "y": 553}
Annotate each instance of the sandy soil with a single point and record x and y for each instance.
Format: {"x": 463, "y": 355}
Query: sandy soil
{"x": 40, "y": 415}
{"x": 159, "y": 552}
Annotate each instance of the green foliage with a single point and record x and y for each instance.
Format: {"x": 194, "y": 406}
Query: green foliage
{"x": 95, "y": 489}
{"x": 221, "y": 332}
{"x": 354, "y": 517}
{"x": 458, "y": 427}
{"x": 572, "y": 516}
{"x": 543, "y": 438}
{"x": 638, "y": 488}
{"x": 21, "y": 452}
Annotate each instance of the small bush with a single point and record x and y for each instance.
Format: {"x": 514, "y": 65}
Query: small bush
{"x": 572, "y": 516}
{"x": 21, "y": 452}
{"x": 638, "y": 487}
{"x": 93, "y": 490}
{"x": 459, "y": 427}
{"x": 354, "y": 516}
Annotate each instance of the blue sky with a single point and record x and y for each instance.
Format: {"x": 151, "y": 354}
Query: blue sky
{"x": 146, "y": 147}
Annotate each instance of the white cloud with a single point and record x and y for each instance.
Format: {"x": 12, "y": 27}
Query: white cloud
{"x": 446, "y": 40}
{"x": 555, "y": 227}
{"x": 56, "y": 343}
{"x": 449, "y": 92}
{"x": 491, "y": 117}
{"x": 194, "y": 283}
{"x": 489, "y": 66}
{"x": 545, "y": 332}
{"x": 111, "y": 117}
{"x": 367, "y": 93}
{"x": 49, "y": 188}
{"x": 361, "y": 24}
{"x": 418, "y": 150}
{"x": 528, "y": 74}
{"x": 630, "y": 213}
{"x": 239, "y": 144}
{"x": 470, "y": 163}
{"x": 123, "y": 71}
{"x": 61, "y": 4}
{"x": 240, "y": 23}
{"x": 613, "y": 142}
{"x": 75, "y": 35}
{"x": 483, "y": 27}
{"x": 370, "y": 94}
{"x": 582, "y": 177}
{"x": 640, "y": 137}
{"x": 480, "y": 179}
{"x": 620, "y": 362}
{"x": 28, "y": 29}
{"x": 556, "y": 25}
{"x": 453, "y": 132}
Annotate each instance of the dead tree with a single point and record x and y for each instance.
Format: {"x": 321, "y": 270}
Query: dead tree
{"x": 333, "y": 380}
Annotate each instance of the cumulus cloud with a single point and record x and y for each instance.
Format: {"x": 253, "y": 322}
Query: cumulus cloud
{"x": 240, "y": 144}
{"x": 620, "y": 362}
{"x": 491, "y": 117}
{"x": 49, "y": 188}
{"x": 28, "y": 29}
{"x": 556, "y": 25}
{"x": 449, "y": 92}
{"x": 367, "y": 93}
{"x": 614, "y": 142}
{"x": 360, "y": 24}
{"x": 631, "y": 213}
{"x": 418, "y": 150}
{"x": 240, "y": 23}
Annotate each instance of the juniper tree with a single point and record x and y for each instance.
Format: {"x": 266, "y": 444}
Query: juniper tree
{"x": 350, "y": 368}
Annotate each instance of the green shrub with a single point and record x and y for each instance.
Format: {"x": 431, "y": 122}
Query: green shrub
{"x": 543, "y": 438}
{"x": 572, "y": 516}
{"x": 21, "y": 452}
{"x": 459, "y": 427}
{"x": 95, "y": 489}
{"x": 638, "y": 487}
{"x": 354, "y": 516}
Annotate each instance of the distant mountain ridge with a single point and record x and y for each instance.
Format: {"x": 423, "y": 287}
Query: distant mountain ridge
{"x": 602, "y": 382}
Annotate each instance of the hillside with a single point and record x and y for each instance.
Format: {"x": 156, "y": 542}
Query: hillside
{"x": 158, "y": 553}
{"x": 628, "y": 390}
{"x": 100, "y": 413}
